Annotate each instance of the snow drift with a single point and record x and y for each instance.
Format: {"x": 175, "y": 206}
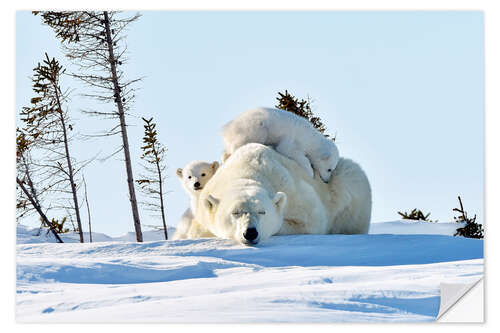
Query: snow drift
{"x": 303, "y": 278}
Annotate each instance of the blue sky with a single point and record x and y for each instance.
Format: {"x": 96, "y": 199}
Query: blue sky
{"x": 403, "y": 92}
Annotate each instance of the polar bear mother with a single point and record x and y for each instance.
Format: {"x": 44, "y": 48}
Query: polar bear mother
{"x": 258, "y": 193}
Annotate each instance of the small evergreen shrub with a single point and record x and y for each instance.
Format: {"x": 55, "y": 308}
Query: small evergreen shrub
{"x": 471, "y": 228}
{"x": 416, "y": 215}
{"x": 59, "y": 226}
{"x": 302, "y": 108}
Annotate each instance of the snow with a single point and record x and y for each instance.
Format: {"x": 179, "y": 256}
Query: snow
{"x": 392, "y": 274}
{"x": 415, "y": 227}
{"x": 28, "y": 235}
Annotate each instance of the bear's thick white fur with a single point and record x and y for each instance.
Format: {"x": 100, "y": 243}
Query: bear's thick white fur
{"x": 260, "y": 188}
{"x": 193, "y": 178}
{"x": 289, "y": 134}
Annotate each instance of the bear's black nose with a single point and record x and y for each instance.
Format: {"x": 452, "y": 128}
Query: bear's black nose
{"x": 197, "y": 184}
{"x": 251, "y": 234}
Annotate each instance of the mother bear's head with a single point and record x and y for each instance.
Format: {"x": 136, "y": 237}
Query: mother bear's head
{"x": 248, "y": 215}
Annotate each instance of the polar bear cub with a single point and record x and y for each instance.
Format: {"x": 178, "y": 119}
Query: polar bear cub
{"x": 193, "y": 178}
{"x": 291, "y": 135}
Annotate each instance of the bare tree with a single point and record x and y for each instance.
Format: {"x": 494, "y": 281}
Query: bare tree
{"x": 94, "y": 41}
{"x": 48, "y": 125}
{"x": 28, "y": 196}
{"x": 25, "y": 174}
{"x": 153, "y": 181}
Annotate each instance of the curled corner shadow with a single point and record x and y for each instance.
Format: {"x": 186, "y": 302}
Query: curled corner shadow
{"x": 454, "y": 295}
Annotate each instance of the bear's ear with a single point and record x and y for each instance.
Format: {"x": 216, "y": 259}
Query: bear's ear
{"x": 179, "y": 173}
{"x": 215, "y": 166}
{"x": 280, "y": 202}
{"x": 211, "y": 202}
{"x": 224, "y": 157}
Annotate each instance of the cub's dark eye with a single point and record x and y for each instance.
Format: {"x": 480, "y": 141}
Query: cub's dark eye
{"x": 189, "y": 177}
{"x": 329, "y": 170}
{"x": 203, "y": 175}
{"x": 262, "y": 213}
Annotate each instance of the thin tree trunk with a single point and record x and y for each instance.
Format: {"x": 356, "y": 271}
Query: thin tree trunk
{"x": 30, "y": 182}
{"x": 38, "y": 209}
{"x": 34, "y": 195}
{"x": 88, "y": 209}
{"x": 123, "y": 126}
{"x": 161, "y": 199}
{"x": 70, "y": 168}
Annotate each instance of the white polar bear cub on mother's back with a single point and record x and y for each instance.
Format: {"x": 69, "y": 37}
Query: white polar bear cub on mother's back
{"x": 291, "y": 135}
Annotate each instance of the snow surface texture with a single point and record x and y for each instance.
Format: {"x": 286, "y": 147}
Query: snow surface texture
{"x": 393, "y": 274}
{"x": 29, "y": 235}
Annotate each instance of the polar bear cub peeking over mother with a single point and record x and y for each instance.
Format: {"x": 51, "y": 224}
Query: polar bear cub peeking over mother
{"x": 291, "y": 135}
{"x": 193, "y": 178}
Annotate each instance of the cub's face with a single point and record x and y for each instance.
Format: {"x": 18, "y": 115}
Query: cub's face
{"x": 327, "y": 162}
{"x": 249, "y": 217}
{"x": 196, "y": 174}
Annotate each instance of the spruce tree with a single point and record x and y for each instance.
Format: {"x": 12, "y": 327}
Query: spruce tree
{"x": 47, "y": 125}
{"x": 28, "y": 197}
{"x": 302, "y": 108}
{"x": 152, "y": 183}
{"x": 94, "y": 42}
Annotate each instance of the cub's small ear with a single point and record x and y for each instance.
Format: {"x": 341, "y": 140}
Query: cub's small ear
{"x": 280, "y": 202}
{"x": 179, "y": 173}
{"x": 211, "y": 202}
{"x": 215, "y": 165}
{"x": 224, "y": 157}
